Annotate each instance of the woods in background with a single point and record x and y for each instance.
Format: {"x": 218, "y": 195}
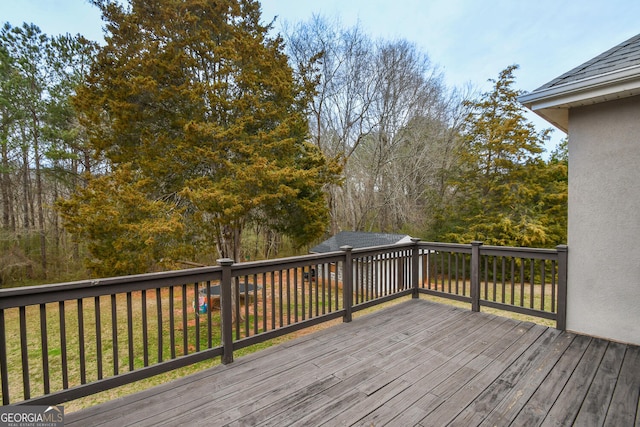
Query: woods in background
{"x": 195, "y": 133}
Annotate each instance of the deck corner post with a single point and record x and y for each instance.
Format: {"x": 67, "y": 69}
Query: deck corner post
{"x": 415, "y": 267}
{"x": 561, "y": 313}
{"x": 475, "y": 275}
{"x": 347, "y": 283}
{"x": 226, "y": 309}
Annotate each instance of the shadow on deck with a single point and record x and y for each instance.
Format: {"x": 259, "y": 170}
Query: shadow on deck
{"x": 417, "y": 363}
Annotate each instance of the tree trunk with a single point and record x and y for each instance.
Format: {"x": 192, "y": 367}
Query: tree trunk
{"x": 5, "y": 184}
{"x": 39, "y": 204}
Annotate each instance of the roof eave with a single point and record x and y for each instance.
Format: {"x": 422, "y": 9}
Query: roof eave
{"x": 553, "y": 103}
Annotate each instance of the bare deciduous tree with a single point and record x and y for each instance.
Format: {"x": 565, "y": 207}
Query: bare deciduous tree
{"x": 383, "y": 108}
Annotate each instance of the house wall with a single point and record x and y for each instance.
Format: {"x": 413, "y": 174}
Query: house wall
{"x": 604, "y": 220}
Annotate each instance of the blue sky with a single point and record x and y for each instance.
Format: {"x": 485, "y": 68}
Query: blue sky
{"x": 471, "y": 40}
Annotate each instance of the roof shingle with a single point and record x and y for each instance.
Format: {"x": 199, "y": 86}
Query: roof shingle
{"x": 624, "y": 55}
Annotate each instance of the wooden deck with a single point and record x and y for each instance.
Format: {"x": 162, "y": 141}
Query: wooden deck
{"x": 417, "y": 363}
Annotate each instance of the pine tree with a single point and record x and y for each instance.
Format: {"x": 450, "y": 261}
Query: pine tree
{"x": 502, "y": 190}
{"x": 198, "y": 99}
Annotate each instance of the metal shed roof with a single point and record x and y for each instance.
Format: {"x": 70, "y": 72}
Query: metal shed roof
{"x": 359, "y": 239}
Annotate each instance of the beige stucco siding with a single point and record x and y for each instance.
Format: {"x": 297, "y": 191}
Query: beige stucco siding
{"x": 604, "y": 220}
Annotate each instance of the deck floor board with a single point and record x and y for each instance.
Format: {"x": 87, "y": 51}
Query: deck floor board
{"x": 416, "y": 363}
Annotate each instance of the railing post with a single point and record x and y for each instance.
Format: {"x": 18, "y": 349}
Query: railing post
{"x": 226, "y": 310}
{"x": 347, "y": 283}
{"x": 561, "y": 313}
{"x": 415, "y": 267}
{"x": 475, "y": 275}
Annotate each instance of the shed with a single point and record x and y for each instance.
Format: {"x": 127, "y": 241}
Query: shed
{"x": 378, "y": 274}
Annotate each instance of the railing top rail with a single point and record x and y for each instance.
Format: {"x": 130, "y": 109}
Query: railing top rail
{"x": 266, "y": 266}
{"x": 452, "y": 247}
{"x": 517, "y": 252}
{"x": 30, "y": 295}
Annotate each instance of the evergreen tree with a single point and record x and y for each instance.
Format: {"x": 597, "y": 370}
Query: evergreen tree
{"x": 125, "y": 231}
{"x": 197, "y": 98}
{"x": 504, "y": 192}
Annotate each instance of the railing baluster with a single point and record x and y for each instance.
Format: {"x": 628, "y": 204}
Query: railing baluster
{"x": 449, "y": 272}
{"x": 130, "y": 342}
{"x": 317, "y": 299}
{"x": 280, "y": 301}
{"x": 457, "y": 271}
{"x": 532, "y": 280}
{"x": 264, "y": 302}
{"x": 83, "y": 367}
{"x": 464, "y": 275}
{"x": 196, "y": 303}
{"x": 273, "y": 300}
{"x": 209, "y": 303}
{"x": 185, "y": 329}
{"x": 522, "y": 282}
{"x": 495, "y": 276}
{"x": 377, "y": 270}
{"x": 295, "y": 295}
{"x": 25, "y": 353}
{"x": 324, "y": 285}
{"x": 543, "y": 283}
{"x": 553, "y": 286}
{"x": 114, "y": 336}
{"x": 513, "y": 280}
{"x": 63, "y": 346}
{"x": 160, "y": 331}
{"x": 255, "y": 304}
{"x": 145, "y": 331}
{"x": 4, "y": 367}
{"x": 388, "y": 263}
{"x": 246, "y": 306}
{"x": 98, "y": 317}
{"x": 504, "y": 262}
{"x": 391, "y": 273}
{"x": 330, "y": 293}
{"x": 172, "y": 325}
{"x": 486, "y": 277}
{"x": 44, "y": 345}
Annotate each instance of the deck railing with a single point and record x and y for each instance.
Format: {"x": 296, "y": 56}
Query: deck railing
{"x": 65, "y": 341}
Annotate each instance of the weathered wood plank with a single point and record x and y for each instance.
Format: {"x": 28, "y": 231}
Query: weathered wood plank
{"x": 460, "y": 398}
{"x": 222, "y": 378}
{"x": 236, "y": 381}
{"x": 624, "y": 407}
{"x": 504, "y": 398}
{"x": 566, "y": 407}
{"x": 594, "y": 407}
{"x": 431, "y": 378}
{"x": 546, "y": 394}
{"x": 387, "y": 379}
{"x": 356, "y": 379}
{"x": 416, "y": 363}
{"x": 231, "y": 405}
